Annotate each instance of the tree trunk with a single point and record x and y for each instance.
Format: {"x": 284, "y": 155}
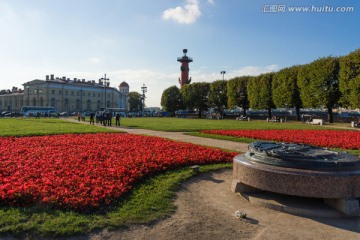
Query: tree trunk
{"x": 199, "y": 114}
{"x": 269, "y": 113}
{"x": 330, "y": 115}
{"x": 297, "y": 109}
{"x": 244, "y": 111}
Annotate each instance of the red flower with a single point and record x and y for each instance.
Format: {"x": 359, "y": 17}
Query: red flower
{"x": 321, "y": 138}
{"x": 83, "y": 172}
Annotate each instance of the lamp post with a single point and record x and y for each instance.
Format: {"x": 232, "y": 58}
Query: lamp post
{"x": 81, "y": 92}
{"x": 37, "y": 91}
{"x": 144, "y": 90}
{"x": 223, "y": 73}
{"x": 105, "y": 79}
{"x": 28, "y": 94}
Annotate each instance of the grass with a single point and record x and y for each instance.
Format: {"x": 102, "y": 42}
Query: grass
{"x": 147, "y": 202}
{"x": 221, "y": 137}
{"x": 44, "y": 126}
{"x": 250, "y": 140}
{"x": 194, "y": 125}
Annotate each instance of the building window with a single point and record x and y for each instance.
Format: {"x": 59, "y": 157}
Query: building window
{"x": 108, "y": 104}
{"x": 83, "y": 93}
{"x": 78, "y": 94}
{"x": 52, "y": 102}
{"x": 72, "y": 93}
{"x": 60, "y": 92}
{"x": 77, "y": 104}
{"x": 98, "y": 104}
{"x": 98, "y": 94}
{"x": 88, "y": 104}
{"x": 41, "y": 102}
{"x": 66, "y": 104}
{"x": 94, "y": 95}
{"x": 66, "y": 93}
{"x": 52, "y": 91}
{"x": 88, "y": 94}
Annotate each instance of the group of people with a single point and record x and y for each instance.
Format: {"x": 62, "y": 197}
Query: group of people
{"x": 103, "y": 118}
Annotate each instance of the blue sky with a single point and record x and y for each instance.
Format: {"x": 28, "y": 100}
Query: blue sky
{"x": 139, "y": 41}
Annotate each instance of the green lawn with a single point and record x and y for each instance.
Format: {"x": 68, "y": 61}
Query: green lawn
{"x": 43, "y": 126}
{"x": 194, "y": 125}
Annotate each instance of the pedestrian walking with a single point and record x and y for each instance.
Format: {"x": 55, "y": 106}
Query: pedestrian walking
{"x": 92, "y": 115}
{"x": 109, "y": 118}
{"x": 104, "y": 118}
{"x": 117, "y": 118}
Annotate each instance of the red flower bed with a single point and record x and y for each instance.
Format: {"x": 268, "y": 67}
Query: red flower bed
{"x": 322, "y": 138}
{"x": 82, "y": 172}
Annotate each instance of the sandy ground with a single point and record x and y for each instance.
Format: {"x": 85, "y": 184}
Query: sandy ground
{"x": 206, "y": 210}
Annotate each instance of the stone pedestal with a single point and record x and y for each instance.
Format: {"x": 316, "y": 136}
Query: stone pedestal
{"x": 349, "y": 206}
{"x": 340, "y": 189}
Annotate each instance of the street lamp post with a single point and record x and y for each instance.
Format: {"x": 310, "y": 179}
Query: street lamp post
{"x": 105, "y": 79}
{"x": 28, "y": 94}
{"x": 144, "y": 90}
{"x": 223, "y": 73}
{"x": 81, "y": 99}
{"x": 37, "y": 91}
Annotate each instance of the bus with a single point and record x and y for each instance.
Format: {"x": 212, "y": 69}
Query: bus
{"x": 113, "y": 111}
{"x": 33, "y": 110}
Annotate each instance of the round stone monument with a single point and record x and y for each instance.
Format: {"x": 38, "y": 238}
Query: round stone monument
{"x": 300, "y": 170}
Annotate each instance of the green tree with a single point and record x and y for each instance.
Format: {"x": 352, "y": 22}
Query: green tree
{"x": 171, "y": 99}
{"x": 319, "y": 85}
{"x": 196, "y": 96}
{"x": 218, "y": 95}
{"x": 237, "y": 93}
{"x": 349, "y": 80}
{"x": 135, "y": 103}
{"x": 259, "y": 92}
{"x": 285, "y": 91}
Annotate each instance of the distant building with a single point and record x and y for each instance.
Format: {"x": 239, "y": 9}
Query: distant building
{"x": 76, "y": 95}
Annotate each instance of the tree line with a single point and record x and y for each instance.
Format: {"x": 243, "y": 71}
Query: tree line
{"x": 327, "y": 82}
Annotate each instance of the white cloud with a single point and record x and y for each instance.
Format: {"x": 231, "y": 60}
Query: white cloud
{"x": 185, "y": 15}
{"x": 211, "y": 1}
{"x": 94, "y": 60}
{"x": 255, "y": 70}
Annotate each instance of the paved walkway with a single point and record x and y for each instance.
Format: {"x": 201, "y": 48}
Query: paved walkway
{"x": 181, "y": 136}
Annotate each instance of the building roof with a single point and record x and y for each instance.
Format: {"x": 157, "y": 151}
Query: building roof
{"x": 124, "y": 84}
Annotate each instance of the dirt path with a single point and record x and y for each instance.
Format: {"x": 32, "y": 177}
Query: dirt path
{"x": 201, "y": 214}
{"x": 180, "y": 136}
{"x": 205, "y": 210}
